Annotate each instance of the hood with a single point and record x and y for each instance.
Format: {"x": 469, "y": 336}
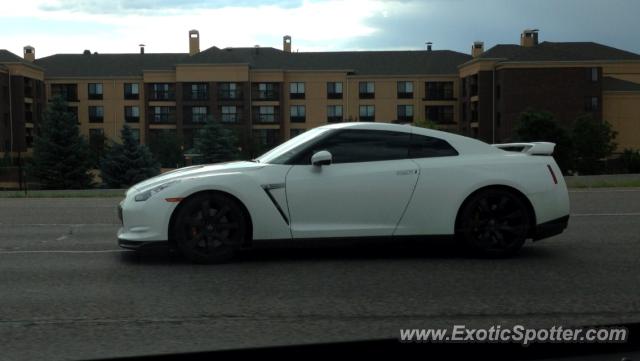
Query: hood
{"x": 194, "y": 171}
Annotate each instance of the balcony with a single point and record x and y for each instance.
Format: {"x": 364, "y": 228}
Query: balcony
{"x": 297, "y": 119}
{"x": 367, "y": 118}
{"x": 162, "y": 95}
{"x": 131, "y": 96}
{"x": 296, "y": 95}
{"x": 405, "y": 119}
{"x": 234, "y": 94}
{"x": 162, "y": 118}
{"x": 405, "y": 95}
{"x": 196, "y": 95}
{"x": 266, "y": 118}
{"x": 367, "y": 95}
{"x": 131, "y": 119}
{"x": 95, "y": 118}
{"x": 334, "y": 119}
{"x": 334, "y": 95}
{"x": 95, "y": 96}
{"x": 267, "y": 95}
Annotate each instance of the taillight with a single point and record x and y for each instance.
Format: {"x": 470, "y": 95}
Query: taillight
{"x": 553, "y": 175}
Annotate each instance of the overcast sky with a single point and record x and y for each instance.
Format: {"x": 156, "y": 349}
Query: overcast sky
{"x": 118, "y": 26}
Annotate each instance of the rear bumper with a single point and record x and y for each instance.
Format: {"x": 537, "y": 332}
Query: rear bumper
{"x": 551, "y": 228}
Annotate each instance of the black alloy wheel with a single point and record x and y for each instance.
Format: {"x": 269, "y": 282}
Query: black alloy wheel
{"x": 495, "y": 223}
{"x": 210, "y": 228}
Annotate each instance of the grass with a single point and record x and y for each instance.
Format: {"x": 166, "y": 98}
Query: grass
{"x": 81, "y": 193}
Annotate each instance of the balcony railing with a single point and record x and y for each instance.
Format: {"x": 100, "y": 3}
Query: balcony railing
{"x": 230, "y": 94}
{"x": 163, "y": 118}
{"x": 296, "y": 95}
{"x": 162, "y": 95}
{"x": 266, "y": 118}
{"x": 405, "y": 95}
{"x": 267, "y": 95}
{"x": 367, "y": 95}
{"x": 132, "y": 96}
{"x": 196, "y": 95}
{"x": 95, "y": 96}
{"x": 131, "y": 119}
{"x": 367, "y": 118}
{"x": 334, "y": 119}
{"x": 334, "y": 95}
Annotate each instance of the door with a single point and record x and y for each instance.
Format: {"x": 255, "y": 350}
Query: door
{"x": 362, "y": 193}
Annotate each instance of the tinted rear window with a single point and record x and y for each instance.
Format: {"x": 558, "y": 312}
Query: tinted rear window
{"x": 423, "y": 146}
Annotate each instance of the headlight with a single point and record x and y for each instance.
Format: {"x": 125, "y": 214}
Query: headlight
{"x": 141, "y": 197}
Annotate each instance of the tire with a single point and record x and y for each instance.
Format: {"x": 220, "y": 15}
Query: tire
{"x": 494, "y": 223}
{"x": 209, "y": 228}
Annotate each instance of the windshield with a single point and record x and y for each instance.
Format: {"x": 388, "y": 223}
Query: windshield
{"x": 290, "y": 149}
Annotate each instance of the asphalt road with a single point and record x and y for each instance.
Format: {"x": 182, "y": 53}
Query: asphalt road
{"x": 68, "y": 292}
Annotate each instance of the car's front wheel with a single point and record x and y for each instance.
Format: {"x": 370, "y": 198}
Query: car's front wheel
{"x": 494, "y": 222}
{"x": 210, "y": 227}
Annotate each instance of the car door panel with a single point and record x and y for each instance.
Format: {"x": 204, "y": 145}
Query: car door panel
{"x": 349, "y": 199}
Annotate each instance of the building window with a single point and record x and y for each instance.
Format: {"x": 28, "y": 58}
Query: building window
{"x": 334, "y": 90}
{"x": 96, "y": 114}
{"x": 162, "y": 114}
{"x": 131, "y": 114}
{"x": 196, "y": 91}
{"x": 28, "y": 137}
{"x": 296, "y": 90}
{"x": 592, "y": 73}
{"x": 439, "y": 90}
{"x": 367, "y": 113}
{"x": 266, "y": 114}
{"x": 229, "y": 91}
{"x": 267, "y": 138}
{"x": 405, "y": 89}
{"x": 95, "y": 91}
{"x": 162, "y": 91}
{"x": 297, "y": 114}
{"x": 131, "y": 91}
{"x": 199, "y": 115}
{"x": 334, "y": 113}
{"x": 229, "y": 114}
{"x": 592, "y": 104}
{"x": 367, "y": 90}
{"x": 440, "y": 114}
{"x": 68, "y": 92}
{"x": 405, "y": 113}
{"x": 294, "y": 132}
{"x": 135, "y": 132}
{"x": 267, "y": 91}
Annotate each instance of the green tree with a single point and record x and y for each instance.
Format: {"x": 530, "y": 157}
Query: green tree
{"x": 630, "y": 160}
{"x": 215, "y": 143}
{"x": 593, "y": 141}
{"x": 60, "y": 153}
{"x": 541, "y": 126}
{"x": 127, "y": 163}
{"x": 166, "y": 147}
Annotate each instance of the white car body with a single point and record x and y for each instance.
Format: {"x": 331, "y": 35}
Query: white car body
{"x": 403, "y": 197}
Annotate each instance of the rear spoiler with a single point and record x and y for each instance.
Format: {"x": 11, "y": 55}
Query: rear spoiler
{"x": 533, "y": 148}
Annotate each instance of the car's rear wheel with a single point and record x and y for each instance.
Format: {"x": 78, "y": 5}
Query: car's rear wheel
{"x": 210, "y": 227}
{"x": 494, "y": 222}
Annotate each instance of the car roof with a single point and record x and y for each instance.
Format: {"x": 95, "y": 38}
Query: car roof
{"x": 463, "y": 145}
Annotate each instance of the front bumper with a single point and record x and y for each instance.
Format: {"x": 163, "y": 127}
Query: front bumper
{"x": 551, "y": 228}
{"x": 144, "y": 224}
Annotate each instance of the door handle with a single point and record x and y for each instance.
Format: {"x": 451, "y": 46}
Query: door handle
{"x": 407, "y": 172}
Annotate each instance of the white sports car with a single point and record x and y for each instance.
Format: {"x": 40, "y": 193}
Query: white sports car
{"x": 354, "y": 180}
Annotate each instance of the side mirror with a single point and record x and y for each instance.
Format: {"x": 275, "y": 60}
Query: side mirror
{"x": 321, "y": 158}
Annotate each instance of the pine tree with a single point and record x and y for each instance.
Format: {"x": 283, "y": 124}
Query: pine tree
{"x": 128, "y": 163}
{"x": 60, "y": 153}
{"x": 215, "y": 143}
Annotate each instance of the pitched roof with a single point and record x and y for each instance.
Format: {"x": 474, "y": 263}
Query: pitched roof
{"x": 360, "y": 62}
{"x": 8, "y": 57}
{"x": 107, "y": 65}
{"x": 565, "y": 51}
{"x": 615, "y": 84}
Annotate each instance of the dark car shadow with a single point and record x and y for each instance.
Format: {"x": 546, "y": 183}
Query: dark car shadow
{"x": 354, "y": 251}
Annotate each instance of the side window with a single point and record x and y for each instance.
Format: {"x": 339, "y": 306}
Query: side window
{"x": 350, "y": 146}
{"x": 427, "y": 147}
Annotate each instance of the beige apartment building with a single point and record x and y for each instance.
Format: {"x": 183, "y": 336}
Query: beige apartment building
{"x": 268, "y": 95}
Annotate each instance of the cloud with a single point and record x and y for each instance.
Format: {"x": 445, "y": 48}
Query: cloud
{"x": 155, "y": 6}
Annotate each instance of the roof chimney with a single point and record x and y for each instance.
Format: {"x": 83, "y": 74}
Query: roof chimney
{"x": 286, "y": 43}
{"x": 477, "y": 48}
{"x": 429, "y": 44}
{"x": 29, "y": 53}
{"x": 529, "y": 38}
{"x": 194, "y": 42}
{"x": 141, "y": 48}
